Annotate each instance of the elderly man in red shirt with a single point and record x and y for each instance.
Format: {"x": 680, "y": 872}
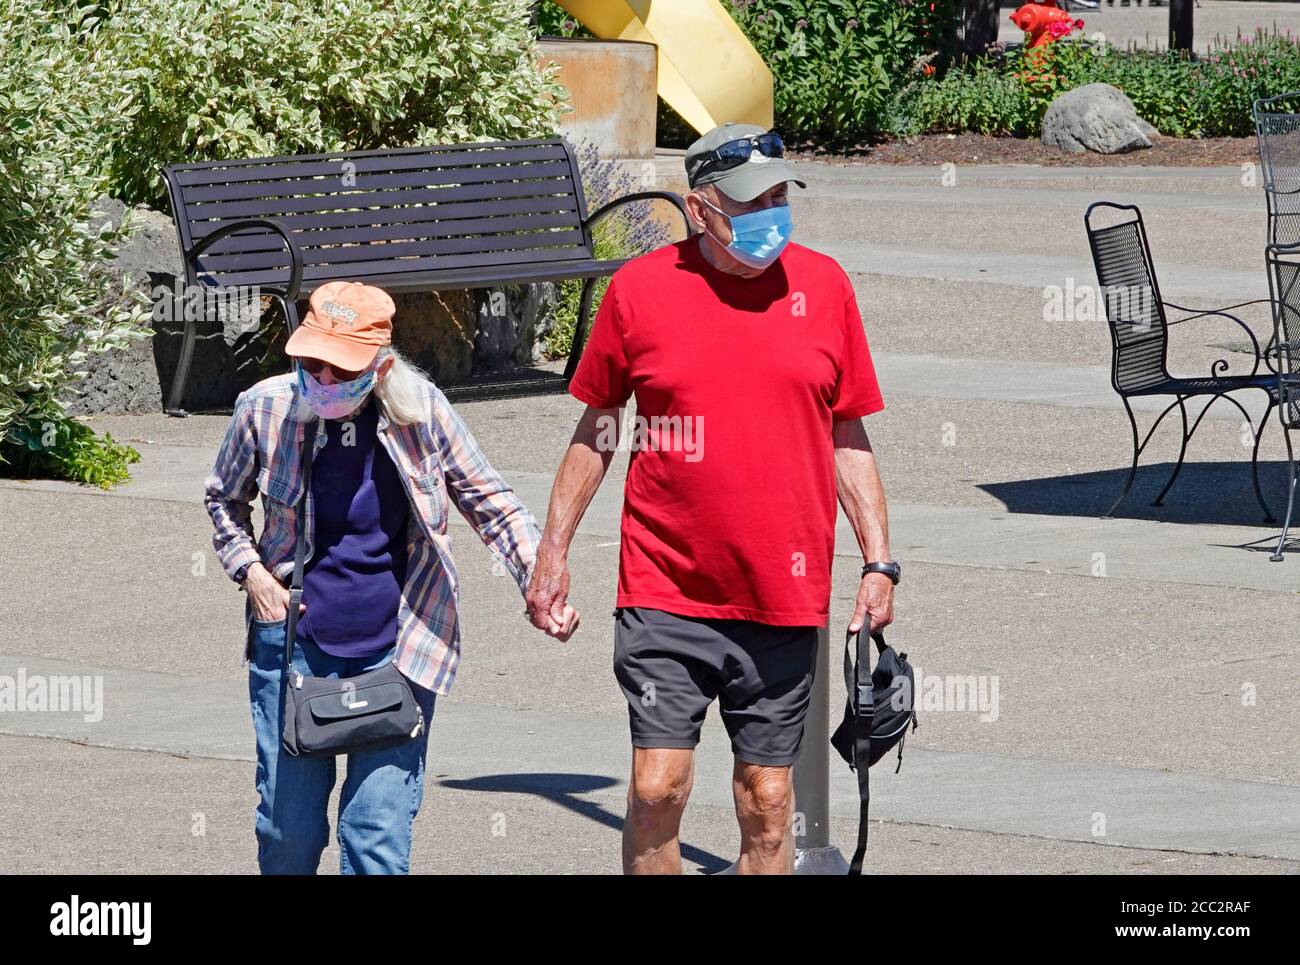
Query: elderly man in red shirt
{"x": 751, "y": 373}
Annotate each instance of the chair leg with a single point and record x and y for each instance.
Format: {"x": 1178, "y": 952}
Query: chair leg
{"x": 580, "y": 329}
{"x": 1277, "y": 556}
{"x": 1160, "y": 500}
{"x": 177, "y": 394}
{"x": 1132, "y": 470}
{"x": 1254, "y": 463}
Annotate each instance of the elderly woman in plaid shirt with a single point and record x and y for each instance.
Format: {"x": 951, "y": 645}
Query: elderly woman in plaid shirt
{"x": 379, "y": 582}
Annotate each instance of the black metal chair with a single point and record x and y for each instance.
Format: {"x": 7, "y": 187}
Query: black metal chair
{"x": 1277, "y": 129}
{"x": 1284, "y": 289}
{"x": 1139, "y": 331}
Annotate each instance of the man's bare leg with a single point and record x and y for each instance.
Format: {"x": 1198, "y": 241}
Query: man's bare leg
{"x": 765, "y": 809}
{"x": 656, "y": 797}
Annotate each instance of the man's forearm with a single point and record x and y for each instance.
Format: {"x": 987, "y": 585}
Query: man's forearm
{"x": 860, "y": 490}
{"x": 577, "y": 480}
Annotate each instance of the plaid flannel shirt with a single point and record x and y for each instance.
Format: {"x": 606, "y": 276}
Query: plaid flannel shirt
{"x": 438, "y": 460}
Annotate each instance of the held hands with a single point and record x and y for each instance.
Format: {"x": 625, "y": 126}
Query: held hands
{"x": 548, "y": 594}
{"x": 875, "y": 599}
{"x": 269, "y": 597}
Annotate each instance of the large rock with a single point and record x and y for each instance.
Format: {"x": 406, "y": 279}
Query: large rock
{"x": 232, "y": 351}
{"x": 451, "y": 335}
{"x": 511, "y": 325}
{"x": 1095, "y": 117}
{"x": 435, "y": 330}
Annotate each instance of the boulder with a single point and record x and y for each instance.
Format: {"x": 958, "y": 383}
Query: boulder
{"x": 451, "y": 335}
{"x": 232, "y": 351}
{"x": 435, "y": 330}
{"x": 1095, "y": 117}
{"x": 511, "y": 325}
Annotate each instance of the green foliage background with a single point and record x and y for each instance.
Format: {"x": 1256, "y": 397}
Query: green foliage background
{"x": 96, "y": 97}
{"x": 1207, "y": 97}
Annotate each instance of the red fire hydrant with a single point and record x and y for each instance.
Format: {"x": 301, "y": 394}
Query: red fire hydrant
{"x": 1044, "y": 22}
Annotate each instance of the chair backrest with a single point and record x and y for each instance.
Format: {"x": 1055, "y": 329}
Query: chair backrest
{"x": 1284, "y": 290}
{"x": 1277, "y": 129}
{"x": 377, "y": 214}
{"x": 1131, "y": 297}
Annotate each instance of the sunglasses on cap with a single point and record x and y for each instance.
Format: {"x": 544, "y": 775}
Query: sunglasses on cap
{"x": 316, "y": 367}
{"x": 737, "y": 152}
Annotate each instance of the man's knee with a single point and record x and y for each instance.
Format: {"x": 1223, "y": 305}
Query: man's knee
{"x": 765, "y": 798}
{"x": 661, "y": 783}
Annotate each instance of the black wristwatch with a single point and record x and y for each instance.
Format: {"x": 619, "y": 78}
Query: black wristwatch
{"x": 891, "y": 570}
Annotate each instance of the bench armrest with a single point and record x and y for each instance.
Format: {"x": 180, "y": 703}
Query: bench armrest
{"x": 290, "y": 292}
{"x": 672, "y": 196}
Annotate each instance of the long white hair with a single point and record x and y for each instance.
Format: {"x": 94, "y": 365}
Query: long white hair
{"x": 402, "y": 393}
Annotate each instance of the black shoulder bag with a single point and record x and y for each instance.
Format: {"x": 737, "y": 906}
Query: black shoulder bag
{"x": 326, "y": 715}
{"x": 880, "y": 706}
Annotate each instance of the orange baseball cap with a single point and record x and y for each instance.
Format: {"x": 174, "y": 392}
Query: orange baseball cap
{"x": 347, "y": 325}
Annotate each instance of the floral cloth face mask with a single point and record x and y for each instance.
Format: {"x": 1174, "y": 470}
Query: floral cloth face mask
{"x": 337, "y": 400}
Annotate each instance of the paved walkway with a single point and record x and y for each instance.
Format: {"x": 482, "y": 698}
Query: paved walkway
{"x": 1146, "y": 684}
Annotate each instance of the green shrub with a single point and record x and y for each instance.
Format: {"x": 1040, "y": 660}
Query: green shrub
{"x": 67, "y": 449}
{"x": 982, "y": 99}
{"x": 837, "y": 64}
{"x": 252, "y": 78}
{"x": 96, "y": 97}
{"x": 62, "y": 107}
{"x": 1183, "y": 97}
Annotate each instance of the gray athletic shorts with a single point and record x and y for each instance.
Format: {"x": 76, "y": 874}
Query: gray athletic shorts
{"x": 671, "y": 668}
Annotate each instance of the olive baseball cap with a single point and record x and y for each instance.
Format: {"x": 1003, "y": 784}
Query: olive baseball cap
{"x": 745, "y": 181}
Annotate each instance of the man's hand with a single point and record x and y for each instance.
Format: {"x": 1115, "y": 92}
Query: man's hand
{"x": 547, "y": 597}
{"x": 876, "y": 599}
{"x": 269, "y": 597}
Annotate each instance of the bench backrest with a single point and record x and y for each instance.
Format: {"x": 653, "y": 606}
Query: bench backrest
{"x": 386, "y": 216}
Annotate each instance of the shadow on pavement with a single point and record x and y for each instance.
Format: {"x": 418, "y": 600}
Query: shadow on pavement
{"x": 1220, "y": 493}
{"x": 563, "y": 789}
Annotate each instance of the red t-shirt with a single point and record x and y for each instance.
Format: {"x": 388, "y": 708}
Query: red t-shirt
{"x": 729, "y": 507}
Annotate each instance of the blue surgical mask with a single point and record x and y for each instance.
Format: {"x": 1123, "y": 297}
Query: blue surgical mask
{"x": 758, "y": 237}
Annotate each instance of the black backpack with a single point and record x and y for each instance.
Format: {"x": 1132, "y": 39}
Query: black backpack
{"x": 876, "y": 716}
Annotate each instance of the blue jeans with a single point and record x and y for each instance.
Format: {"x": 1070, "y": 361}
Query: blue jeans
{"x": 381, "y": 792}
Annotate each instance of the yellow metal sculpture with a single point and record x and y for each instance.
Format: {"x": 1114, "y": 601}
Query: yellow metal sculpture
{"x": 709, "y": 72}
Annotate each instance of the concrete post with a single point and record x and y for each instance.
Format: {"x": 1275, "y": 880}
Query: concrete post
{"x": 814, "y": 853}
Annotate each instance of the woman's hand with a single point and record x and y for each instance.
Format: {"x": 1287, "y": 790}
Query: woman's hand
{"x": 269, "y": 597}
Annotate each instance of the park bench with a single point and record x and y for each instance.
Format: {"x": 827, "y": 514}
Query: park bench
{"x": 436, "y": 218}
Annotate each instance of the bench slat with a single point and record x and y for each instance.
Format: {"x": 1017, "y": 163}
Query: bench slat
{"x": 430, "y": 149}
{"x": 525, "y": 245}
{"x": 273, "y": 207}
{"x": 326, "y": 188}
{"x": 446, "y": 211}
{"x": 415, "y": 274}
{"x": 311, "y": 241}
{"x": 233, "y": 172}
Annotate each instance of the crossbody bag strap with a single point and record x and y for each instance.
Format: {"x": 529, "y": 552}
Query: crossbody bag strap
{"x": 300, "y": 550}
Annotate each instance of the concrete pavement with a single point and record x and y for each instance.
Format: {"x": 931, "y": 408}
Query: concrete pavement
{"x": 1144, "y": 668}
